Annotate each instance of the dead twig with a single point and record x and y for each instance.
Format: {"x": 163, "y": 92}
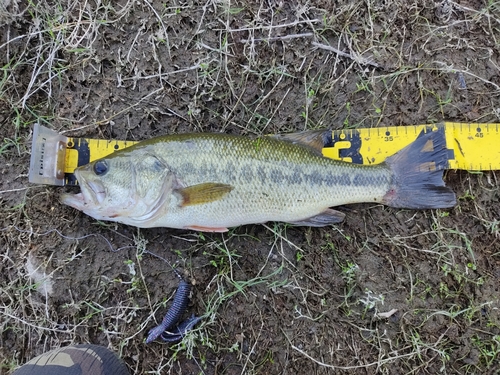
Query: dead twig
{"x": 360, "y": 60}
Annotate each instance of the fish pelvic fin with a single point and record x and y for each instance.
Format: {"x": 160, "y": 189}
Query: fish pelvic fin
{"x": 327, "y": 217}
{"x": 417, "y": 180}
{"x": 203, "y": 193}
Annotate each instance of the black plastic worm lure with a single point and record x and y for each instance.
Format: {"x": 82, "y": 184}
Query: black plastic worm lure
{"x": 179, "y": 305}
{"x": 168, "y": 331}
{"x": 179, "y": 331}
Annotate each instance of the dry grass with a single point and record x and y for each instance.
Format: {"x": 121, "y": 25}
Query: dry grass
{"x": 386, "y": 292}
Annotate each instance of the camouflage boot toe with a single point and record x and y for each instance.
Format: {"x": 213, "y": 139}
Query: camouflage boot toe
{"x": 83, "y": 359}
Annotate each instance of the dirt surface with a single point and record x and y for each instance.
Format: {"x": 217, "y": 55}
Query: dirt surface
{"x": 386, "y": 292}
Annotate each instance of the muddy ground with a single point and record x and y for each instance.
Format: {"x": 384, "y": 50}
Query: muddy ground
{"x": 387, "y": 291}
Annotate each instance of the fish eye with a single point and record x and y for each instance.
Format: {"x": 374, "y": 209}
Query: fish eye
{"x": 100, "y": 167}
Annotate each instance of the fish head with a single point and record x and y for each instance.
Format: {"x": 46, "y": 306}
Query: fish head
{"x": 130, "y": 188}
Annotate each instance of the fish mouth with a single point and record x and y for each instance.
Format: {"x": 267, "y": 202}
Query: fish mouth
{"x": 73, "y": 200}
{"x": 91, "y": 194}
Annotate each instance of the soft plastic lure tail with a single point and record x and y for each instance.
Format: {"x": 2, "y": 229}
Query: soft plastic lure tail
{"x": 168, "y": 330}
{"x": 179, "y": 331}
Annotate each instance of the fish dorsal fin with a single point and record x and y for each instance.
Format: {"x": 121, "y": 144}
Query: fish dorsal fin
{"x": 203, "y": 193}
{"x": 315, "y": 139}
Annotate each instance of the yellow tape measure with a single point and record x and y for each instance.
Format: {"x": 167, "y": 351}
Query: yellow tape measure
{"x": 81, "y": 151}
{"x": 471, "y": 147}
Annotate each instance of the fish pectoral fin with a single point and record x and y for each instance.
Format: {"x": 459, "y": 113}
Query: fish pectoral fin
{"x": 329, "y": 216}
{"x": 315, "y": 139}
{"x": 203, "y": 193}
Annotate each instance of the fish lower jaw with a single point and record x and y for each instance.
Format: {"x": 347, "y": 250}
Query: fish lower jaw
{"x": 74, "y": 200}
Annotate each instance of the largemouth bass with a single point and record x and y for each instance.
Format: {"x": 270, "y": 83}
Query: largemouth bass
{"x": 210, "y": 182}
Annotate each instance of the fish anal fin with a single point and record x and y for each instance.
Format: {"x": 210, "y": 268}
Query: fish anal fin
{"x": 203, "y": 193}
{"x": 327, "y": 217}
{"x": 315, "y": 139}
{"x": 206, "y": 229}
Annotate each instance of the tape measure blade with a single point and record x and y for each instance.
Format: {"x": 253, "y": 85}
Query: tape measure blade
{"x": 376, "y": 147}
{"x": 81, "y": 151}
{"x": 476, "y": 146}
{"x": 372, "y": 145}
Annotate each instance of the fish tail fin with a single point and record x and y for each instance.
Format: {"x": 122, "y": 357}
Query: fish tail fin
{"x": 418, "y": 174}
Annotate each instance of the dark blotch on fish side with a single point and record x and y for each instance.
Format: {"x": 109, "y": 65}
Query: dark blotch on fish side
{"x": 360, "y": 180}
{"x": 344, "y": 180}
